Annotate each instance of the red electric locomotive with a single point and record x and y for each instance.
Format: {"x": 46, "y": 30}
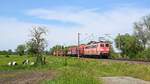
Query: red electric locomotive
{"x": 98, "y": 49}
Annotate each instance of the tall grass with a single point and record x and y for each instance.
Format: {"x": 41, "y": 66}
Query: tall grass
{"x": 72, "y": 75}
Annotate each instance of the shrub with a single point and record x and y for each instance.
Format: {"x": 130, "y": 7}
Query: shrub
{"x": 114, "y": 55}
{"x": 7, "y": 56}
{"x": 144, "y": 55}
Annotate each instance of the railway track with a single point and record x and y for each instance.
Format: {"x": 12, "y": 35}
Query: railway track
{"x": 127, "y": 61}
{"x": 122, "y": 60}
{"x": 118, "y": 60}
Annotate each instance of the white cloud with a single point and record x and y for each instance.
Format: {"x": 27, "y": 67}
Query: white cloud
{"x": 114, "y": 21}
{"x": 119, "y": 20}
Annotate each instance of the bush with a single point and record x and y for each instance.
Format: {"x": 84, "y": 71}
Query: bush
{"x": 144, "y": 55}
{"x": 7, "y": 56}
{"x": 114, "y": 55}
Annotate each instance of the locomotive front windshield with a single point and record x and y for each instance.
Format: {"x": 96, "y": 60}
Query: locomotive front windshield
{"x": 107, "y": 45}
{"x": 102, "y": 45}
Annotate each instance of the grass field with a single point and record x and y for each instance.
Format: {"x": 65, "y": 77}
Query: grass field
{"x": 69, "y": 70}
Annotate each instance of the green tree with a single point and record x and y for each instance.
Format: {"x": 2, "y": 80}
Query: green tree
{"x": 31, "y": 51}
{"x": 142, "y": 30}
{"x": 129, "y": 45}
{"x": 37, "y": 43}
{"x": 10, "y": 52}
{"x": 21, "y": 49}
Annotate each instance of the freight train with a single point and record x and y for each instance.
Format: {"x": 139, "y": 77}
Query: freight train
{"x": 92, "y": 49}
{"x": 99, "y": 49}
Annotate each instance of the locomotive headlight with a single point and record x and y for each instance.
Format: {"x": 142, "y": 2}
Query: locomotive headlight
{"x": 107, "y": 49}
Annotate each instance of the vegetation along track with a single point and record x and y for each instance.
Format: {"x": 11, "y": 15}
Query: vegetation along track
{"x": 123, "y": 60}
{"x": 127, "y": 61}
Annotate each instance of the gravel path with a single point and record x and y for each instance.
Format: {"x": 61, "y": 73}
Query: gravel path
{"x": 123, "y": 80}
{"x": 25, "y": 77}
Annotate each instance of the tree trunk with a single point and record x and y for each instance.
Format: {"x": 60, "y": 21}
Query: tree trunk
{"x": 39, "y": 60}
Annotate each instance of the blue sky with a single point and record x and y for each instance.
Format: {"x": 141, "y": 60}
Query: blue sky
{"x": 64, "y": 18}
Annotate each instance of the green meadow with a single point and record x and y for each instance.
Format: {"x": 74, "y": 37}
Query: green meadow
{"x": 71, "y": 70}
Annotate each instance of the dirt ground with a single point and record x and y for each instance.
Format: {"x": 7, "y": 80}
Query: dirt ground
{"x": 123, "y": 80}
{"x": 25, "y": 77}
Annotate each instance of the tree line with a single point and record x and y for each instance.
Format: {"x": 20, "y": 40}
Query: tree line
{"x": 7, "y": 52}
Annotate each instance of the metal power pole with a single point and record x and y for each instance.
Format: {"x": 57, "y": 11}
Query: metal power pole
{"x": 78, "y": 45}
{"x": 119, "y": 45}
